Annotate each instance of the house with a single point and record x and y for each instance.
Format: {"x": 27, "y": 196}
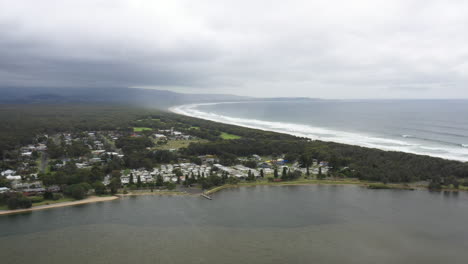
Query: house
{"x": 4, "y": 189}
{"x": 125, "y": 179}
{"x": 34, "y": 191}
{"x": 8, "y": 173}
{"x": 13, "y": 178}
{"x": 98, "y": 152}
{"x": 208, "y": 159}
{"x": 41, "y": 147}
{"x": 95, "y": 160}
{"x": 264, "y": 165}
{"x": 106, "y": 180}
{"x": 26, "y": 154}
{"x": 30, "y": 147}
{"x": 159, "y": 136}
{"x": 27, "y": 185}
{"x": 82, "y": 165}
{"x": 53, "y": 188}
{"x": 256, "y": 157}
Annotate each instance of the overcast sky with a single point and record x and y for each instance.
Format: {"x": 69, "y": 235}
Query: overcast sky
{"x": 327, "y": 49}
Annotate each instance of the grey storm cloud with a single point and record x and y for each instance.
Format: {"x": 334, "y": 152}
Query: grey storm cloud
{"x": 330, "y": 49}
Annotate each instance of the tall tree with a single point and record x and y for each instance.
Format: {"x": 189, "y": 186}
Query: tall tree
{"x": 306, "y": 161}
{"x": 139, "y": 181}
{"x": 284, "y": 174}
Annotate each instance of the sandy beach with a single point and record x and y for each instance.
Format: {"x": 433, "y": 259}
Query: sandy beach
{"x": 92, "y": 199}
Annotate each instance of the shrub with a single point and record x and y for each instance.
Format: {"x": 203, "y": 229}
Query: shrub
{"x": 13, "y": 203}
{"x": 171, "y": 186}
{"x": 36, "y": 199}
{"x": 77, "y": 191}
{"x": 99, "y": 188}
{"x": 233, "y": 180}
{"x": 57, "y": 196}
{"x": 48, "y": 195}
{"x": 86, "y": 186}
{"x": 18, "y": 201}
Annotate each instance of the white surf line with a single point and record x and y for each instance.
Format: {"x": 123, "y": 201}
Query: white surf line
{"x": 317, "y": 133}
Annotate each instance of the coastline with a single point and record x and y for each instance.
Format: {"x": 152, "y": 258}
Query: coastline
{"x": 92, "y": 199}
{"x": 366, "y": 140}
{"x": 146, "y": 193}
{"x": 95, "y": 199}
{"x": 368, "y": 185}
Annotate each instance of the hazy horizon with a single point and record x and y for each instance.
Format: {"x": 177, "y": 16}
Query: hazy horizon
{"x": 335, "y": 49}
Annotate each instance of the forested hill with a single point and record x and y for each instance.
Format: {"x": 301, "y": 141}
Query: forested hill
{"x": 122, "y": 96}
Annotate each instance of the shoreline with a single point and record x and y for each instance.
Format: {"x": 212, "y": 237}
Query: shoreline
{"x": 169, "y": 193}
{"x": 286, "y": 183}
{"x": 92, "y": 199}
{"x": 96, "y": 199}
{"x": 368, "y": 185}
{"x": 271, "y": 126}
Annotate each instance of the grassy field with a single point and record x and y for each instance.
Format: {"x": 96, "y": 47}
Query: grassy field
{"x": 177, "y": 144}
{"x": 140, "y": 129}
{"x": 225, "y": 135}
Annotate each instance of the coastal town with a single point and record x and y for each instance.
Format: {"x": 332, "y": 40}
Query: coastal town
{"x": 77, "y": 165}
{"x": 168, "y": 154}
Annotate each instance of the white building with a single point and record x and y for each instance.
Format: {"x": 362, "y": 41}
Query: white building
{"x": 13, "y": 178}
{"x": 8, "y": 173}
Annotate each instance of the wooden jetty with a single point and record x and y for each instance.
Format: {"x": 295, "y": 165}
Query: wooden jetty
{"x": 206, "y": 196}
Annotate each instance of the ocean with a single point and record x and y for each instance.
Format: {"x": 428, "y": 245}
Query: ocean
{"x": 437, "y": 128}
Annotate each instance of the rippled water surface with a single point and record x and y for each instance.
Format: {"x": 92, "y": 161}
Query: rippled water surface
{"x": 430, "y": 127}
{"x": 288, "y": 224}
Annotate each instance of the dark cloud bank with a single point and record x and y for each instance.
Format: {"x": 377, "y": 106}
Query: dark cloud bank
{"x": 328, "y": 49}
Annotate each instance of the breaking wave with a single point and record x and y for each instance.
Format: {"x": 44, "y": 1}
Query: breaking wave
{"x": 324, "y": 134}
{"x": 407, "y": 136}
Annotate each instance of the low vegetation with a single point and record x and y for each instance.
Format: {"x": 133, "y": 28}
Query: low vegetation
{"x": 140, "y": 129}
{"x": 228, "y": 136}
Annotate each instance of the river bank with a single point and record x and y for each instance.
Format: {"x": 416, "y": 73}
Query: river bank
{"x": 93, "y": 199}
{"x": 369, "y": 185}
{"x": 285, "y": 183}
{"x": 144, "y": 192}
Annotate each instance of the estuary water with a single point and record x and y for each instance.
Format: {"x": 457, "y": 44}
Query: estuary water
{"x": 263, "y": 224}
{"x": 436, "y": 128}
